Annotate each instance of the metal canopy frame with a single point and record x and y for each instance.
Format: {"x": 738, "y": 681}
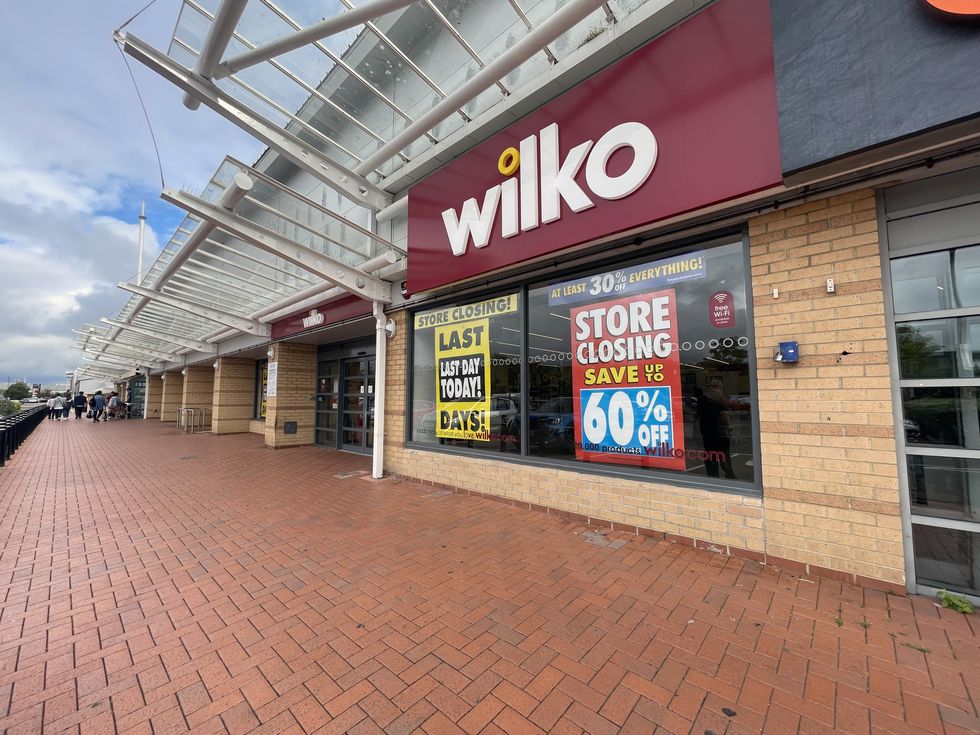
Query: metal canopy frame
{"x": 250, "y": 252}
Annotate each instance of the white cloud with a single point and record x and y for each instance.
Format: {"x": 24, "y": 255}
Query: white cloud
{"x": 75, "y": 161}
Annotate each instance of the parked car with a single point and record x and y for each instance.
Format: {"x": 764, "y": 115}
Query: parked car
{"x": 551, "y": 426}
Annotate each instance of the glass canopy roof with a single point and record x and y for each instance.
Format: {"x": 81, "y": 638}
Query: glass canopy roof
{"x": 346, "y": 96}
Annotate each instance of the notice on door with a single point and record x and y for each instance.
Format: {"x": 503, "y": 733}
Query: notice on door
{"x": 463, "y": 380}
{"x": 626, "y": 382}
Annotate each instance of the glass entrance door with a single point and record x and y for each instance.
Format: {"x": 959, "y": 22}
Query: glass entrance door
{"x": 357, "y": 416}
{"x": 934, "y": 272}
{"x": 345, "y": 404}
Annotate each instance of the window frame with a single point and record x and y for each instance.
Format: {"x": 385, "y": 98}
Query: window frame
{"x": 521, "y": 284}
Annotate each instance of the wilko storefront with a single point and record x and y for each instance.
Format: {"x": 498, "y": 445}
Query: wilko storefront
{"x": 624, "y": 309}
{"x": 635, "y": 362}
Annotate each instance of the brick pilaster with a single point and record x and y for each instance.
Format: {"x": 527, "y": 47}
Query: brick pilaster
{"x": 234, "y": 395}
{"x": 295, "y": 390}
{"x": 172, "y": 395}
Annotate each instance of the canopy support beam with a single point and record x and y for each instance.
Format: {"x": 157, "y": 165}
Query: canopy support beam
{"x": 192, "y": 344}
{"x": 563, "y": 19}
{"x": 219, "y": 34}
{"x": 340, "y": 274}
{"x": 205, "y": 312}
{"x": 351, "y": 185}
{"x": 341, "y": 22}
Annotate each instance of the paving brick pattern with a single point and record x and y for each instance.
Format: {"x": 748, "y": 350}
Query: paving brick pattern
{"x": 156, "y": 583}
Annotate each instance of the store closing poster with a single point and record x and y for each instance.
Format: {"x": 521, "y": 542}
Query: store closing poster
{"x": 626, "y": 381}
{"x": 463, "y": 380}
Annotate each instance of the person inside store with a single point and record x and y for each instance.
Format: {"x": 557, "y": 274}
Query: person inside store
{"x": 714, "y": 423}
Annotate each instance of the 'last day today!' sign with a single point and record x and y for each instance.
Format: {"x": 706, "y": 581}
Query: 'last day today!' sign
{"x": 462, "y": 380}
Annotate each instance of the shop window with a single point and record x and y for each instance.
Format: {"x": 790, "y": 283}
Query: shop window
{"x": 261, "y": 389}
{"x": 640, "y": 367}
{"x": 467, "y": 375}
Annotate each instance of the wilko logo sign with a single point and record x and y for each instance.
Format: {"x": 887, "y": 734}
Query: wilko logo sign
{"x": 721, "y": 309}
{"x": 315, "y": 319}
{"x": 648, "y": 138}
{"x": 547, "y": 178}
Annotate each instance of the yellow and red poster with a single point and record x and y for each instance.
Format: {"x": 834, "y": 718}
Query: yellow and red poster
{"x": 626, "y": 381}
{"x": 463, "y": 380}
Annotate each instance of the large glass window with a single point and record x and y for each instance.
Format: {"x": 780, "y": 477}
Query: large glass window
{"x": 642, "y": 366}
{"x": 467, "y": 375}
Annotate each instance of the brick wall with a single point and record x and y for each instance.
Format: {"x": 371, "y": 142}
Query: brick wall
{"x": 199, "y": 389}
{"x": 172, "y": 396}
{"x": 830, "y": 469}
{"x": 295, "y": 385}
{"x": 234, "y": 395}
{"x": 154, "y": 396}
{"x": 830, "y": 473}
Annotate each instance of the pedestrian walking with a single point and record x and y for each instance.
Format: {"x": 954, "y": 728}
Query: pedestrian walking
{"x": 57, "y": 407}
{"x": 50, "y": 405}
{"x": 66, "y": 411}
{"x": 79, "y": 403}
{"x": 113, "y": 405}
{"x": 98, "y": 406}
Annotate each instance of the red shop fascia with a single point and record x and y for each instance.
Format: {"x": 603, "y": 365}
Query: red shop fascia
{"x": 323, "y": 315}
{"x": 687, "y": 121}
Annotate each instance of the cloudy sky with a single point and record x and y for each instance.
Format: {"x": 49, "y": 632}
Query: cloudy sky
{"x": 76, "y": 160}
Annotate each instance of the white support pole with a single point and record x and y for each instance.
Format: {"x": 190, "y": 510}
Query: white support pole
{"x": 563, "y": 19}
{"x": 340, "y": 274}
{"x": 205, "y": 312}
{"x": 139, "y": 258}
{"x": 193, "y": 344}
{"x": 323, "y": 29}
{"x": 219, "y": 34}
{"x": 351, "y": 185}
{"x": 380, "y": 352}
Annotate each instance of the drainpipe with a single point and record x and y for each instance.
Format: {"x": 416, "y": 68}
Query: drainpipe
{"x": 380, "y": 347}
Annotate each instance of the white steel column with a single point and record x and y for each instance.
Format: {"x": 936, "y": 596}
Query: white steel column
{"x": 380, "y": 360}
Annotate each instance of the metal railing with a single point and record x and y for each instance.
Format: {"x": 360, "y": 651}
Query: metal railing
{"x": 191, "y": 418}
{"x": 16, "y": 427}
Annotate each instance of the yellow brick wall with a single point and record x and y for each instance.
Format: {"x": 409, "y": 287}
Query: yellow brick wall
{"x": 295, "y": 386}
{"x": 199, "y": 390}
{"x": 172, "y": 396}
{"x": 154, "y": 396}
{"x": 830, "y": 471}
{"x": 830, "y": 474}
{"x": 234, "y": 396}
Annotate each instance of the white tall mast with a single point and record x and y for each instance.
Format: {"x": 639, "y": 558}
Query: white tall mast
{"x": 139, "y": 261}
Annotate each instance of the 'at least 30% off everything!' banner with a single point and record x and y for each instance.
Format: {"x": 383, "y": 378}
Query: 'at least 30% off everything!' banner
{"x": 626, "y": 381}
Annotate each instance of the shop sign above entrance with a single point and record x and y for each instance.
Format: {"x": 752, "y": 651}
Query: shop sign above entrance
{"x": 686, "y": 121}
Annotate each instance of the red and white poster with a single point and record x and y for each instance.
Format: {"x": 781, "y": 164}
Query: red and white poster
{"x": 626, "y": 382}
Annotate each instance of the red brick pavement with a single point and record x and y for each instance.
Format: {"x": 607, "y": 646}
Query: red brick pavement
{"x": 155, "y": 583}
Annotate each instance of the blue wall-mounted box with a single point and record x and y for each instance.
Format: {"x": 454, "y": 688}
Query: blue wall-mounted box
{"x": 788, "y": 352}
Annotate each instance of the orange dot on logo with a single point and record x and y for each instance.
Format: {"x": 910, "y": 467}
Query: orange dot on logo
{"x": 957, "y": 7}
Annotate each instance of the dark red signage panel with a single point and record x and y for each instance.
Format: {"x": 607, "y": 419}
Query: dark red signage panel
{"x": 347, "y": 307}
{"x": 686, "y": 121}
